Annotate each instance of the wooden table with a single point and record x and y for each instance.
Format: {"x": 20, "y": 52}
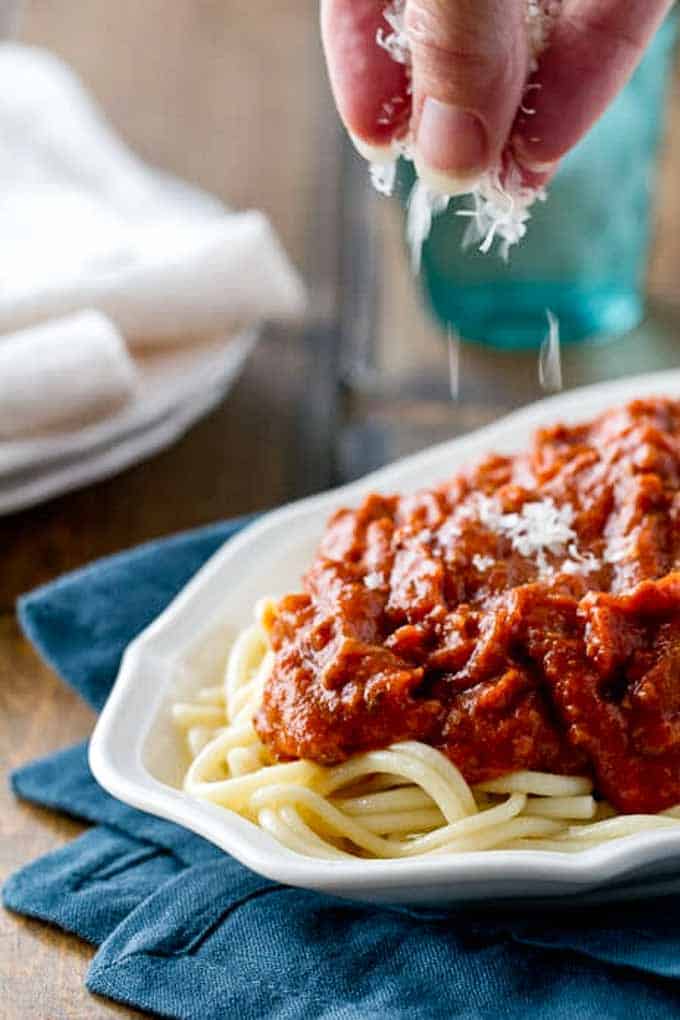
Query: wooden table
{"x": 231, "y": 95}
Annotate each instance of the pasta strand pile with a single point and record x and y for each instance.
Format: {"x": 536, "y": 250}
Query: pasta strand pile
{"x": 405, "y": 801}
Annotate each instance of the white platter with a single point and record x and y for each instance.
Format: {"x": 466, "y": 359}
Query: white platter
{"x": 137, "y": 756}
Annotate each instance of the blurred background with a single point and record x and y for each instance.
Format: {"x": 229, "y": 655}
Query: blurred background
{"x": 232, "y": 97}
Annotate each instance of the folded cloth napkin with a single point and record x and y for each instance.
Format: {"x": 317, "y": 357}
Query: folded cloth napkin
{"x": 185, "y": 931}
{"x": 63, "y": 373}
{"x": 84, "y": 223}
{"x": 230, "y": 274}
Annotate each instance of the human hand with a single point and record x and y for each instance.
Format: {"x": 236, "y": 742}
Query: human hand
{"x": 470, "y": 64}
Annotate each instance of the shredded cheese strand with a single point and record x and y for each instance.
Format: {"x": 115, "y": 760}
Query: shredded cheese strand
{"x": 501, "y": 203}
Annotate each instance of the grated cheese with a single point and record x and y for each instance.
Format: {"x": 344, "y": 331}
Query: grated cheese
{"x": 374, "y": 580}
{"x": 383, "y": 177}
{"x": 549, "y": 358}
{"x": 396, "y": 42}
{"x": 579, "y": 563}
{"x": 540, "y": 17}
{"x": 539, "y": 527}
{"x": 482, "y": 563}
{"x": 500, "y": 211}
{"x": 423, "y": 205}
{"x": 453, "y": 341}
{"x": 618, "y": 549}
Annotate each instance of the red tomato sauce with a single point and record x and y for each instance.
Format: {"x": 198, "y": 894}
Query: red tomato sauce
{"x": 523, "y": 615}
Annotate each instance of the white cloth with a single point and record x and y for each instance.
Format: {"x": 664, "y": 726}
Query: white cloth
{"x": 84, "y": 224}
{"x": 63, "y": 373}
{"x": 230, "y": 275}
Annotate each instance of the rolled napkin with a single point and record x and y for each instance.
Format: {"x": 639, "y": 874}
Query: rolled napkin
{"x": 84, "y": 223}
{"x": 63, "y": 373}
{"x": 231, "y": 273}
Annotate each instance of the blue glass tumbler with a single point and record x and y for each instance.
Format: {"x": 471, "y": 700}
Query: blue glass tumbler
{"x": 585, "y": 253}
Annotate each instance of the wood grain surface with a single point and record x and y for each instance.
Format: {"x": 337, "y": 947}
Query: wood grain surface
{"x": 231, "y": 95}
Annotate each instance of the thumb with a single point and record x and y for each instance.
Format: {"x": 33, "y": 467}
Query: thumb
{"x": 470, "y": 65}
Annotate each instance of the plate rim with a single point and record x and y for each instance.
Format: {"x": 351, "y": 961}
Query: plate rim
{"x": 22, "y": 490}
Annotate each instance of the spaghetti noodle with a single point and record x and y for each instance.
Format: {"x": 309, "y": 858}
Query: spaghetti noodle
{"x": 405, "y": 801}
{"x": 491, "y": 662}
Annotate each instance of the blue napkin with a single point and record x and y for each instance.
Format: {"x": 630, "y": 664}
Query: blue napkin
{"x": 184, "y": 931}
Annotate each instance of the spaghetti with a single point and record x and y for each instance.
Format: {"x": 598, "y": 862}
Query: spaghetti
{"x": 405, "y": 801}
{"x": 492, "y": 662}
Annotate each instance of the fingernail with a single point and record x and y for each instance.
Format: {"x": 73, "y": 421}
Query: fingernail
{"x": 522, "y": 151}
{"x": 452, "y": 146}
{"x": 373, "y": 153}
{"x": 536, "y": 167}
{"x": 445, "y": 184}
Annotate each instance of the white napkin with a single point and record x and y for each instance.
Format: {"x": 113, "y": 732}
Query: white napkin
{"x": 84, "y": 223}
{"x": 231, "y": 273}
{"x": 65, "y": 372}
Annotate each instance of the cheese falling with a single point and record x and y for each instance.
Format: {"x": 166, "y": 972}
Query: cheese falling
{"x": 500, "y": 209}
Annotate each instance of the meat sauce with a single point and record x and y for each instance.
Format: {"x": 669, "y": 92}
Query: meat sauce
{"x": 523, "y": 615}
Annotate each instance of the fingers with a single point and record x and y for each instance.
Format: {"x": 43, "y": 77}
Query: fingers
{"x": 470, "y": 63}
{"x": 370, "y": 88}
{"x": 469, "y": 66}
{"x": 594, "y": 48}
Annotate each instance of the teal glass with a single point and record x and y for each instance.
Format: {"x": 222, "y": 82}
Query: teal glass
{"x": 585, "y": 253}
